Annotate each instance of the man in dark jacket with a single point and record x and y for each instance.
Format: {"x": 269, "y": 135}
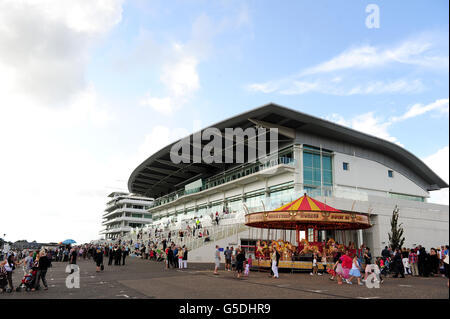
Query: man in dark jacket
{"x": 43, "y": 264}
{"x": 117, "y": 256}
{"x": 385, "y": 253}
{"x": 111, "y": 256}
{"x": 398, "y": 264}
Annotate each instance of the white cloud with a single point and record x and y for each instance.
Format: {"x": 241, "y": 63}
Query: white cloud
{"x": 439, "y": 163}
{"x": 441, "y": 106}
{"x": 181, "y": 80}
{"x": 366, "y": 56}
{"x": 383, "y": 87}
{"x": 180, "y": 62}
{"x": 336, "y": 86}
{"x": 268, "y": 87}
{"x": 378, "y": 126}
{"x": 44, "y": 46}
{"x": 367, "y": 123}
{"x": 336, "y": 76}
{"x": 54, "y": 182}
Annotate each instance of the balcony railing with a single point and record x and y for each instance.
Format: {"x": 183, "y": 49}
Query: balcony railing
{"x": 225, "y": 177}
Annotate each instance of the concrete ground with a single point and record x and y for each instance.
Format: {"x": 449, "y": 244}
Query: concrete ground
{"x": 143, "y": 279}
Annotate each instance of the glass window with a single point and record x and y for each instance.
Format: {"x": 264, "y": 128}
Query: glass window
{"x": 390, "y": 173}
{"x": 307, "y": 160}
{"x": 345, "y": 166}
{"x": 326, "y": 162}
{"x": 312, "y": 173}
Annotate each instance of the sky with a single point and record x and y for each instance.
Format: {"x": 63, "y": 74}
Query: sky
{"x": 90, "y": 89}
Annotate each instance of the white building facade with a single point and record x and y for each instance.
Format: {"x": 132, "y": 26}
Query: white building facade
{"x": 124, "y": 212}
{"x": 346, "y": 169}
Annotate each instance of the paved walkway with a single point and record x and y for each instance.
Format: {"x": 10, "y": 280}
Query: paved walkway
{"x": 148, "y": 279}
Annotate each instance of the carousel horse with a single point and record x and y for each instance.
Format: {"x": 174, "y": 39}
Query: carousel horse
{"x": 262, "y": 248}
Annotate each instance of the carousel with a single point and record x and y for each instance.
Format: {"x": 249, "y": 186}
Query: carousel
{"x": 308, "y": 215}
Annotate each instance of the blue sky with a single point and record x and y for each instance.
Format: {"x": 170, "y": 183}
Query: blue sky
{"x": 262, "y": 42}
{"x": 91, "y": 89}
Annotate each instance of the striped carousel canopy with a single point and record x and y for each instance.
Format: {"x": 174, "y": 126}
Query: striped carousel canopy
{"x": 306, "y": 203}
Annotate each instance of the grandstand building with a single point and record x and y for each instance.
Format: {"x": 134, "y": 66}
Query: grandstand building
{"x": 344, "y": 168}
{"x": 124, "y": 212}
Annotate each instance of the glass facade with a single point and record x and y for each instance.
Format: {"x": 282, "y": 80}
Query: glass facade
{"x": 407, "y": 197}
{"x": 235, "y": 206}
{"x": 255, "y": 201}
{"x": 314, "y": 170}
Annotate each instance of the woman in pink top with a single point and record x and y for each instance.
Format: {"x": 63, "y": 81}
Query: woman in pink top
{"x": 347, "y": 262}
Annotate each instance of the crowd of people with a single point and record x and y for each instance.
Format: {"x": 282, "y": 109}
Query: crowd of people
{"x": 235, "y": 259}
{"x": 342, "y": 266}
{"x": 393, "y": 263}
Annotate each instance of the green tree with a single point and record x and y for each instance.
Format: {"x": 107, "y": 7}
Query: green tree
{"x": 396, "y": 237}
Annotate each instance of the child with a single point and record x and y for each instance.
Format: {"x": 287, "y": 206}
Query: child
{"x": 246, "y": 269}
{"x": 338, "y": 271}
{"x": 354, "y": 272}
{"x": 314, "y": 266}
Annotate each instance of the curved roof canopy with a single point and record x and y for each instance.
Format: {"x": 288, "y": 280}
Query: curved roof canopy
{"x": 158, "y": 175}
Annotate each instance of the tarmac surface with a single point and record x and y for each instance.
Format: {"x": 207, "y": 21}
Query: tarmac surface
{"x": 144, "y": 279}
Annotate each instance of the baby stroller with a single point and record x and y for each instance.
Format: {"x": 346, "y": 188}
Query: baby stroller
{"x": 28, "y": 281}
{"x": 3, "y": 280}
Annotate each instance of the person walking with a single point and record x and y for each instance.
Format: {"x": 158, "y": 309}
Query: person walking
{"x": 367, "y": 262}
{"x": 124, "y": 254}
{"x": 42, "y": 267}
{"x": 216, "y": 260}
{"x": 385, "y": 253}
{"x": 167, "y": 251}
{"x": 434, "y": 262}
{"x": 354, "y": 272}
{"x": 73, "y": 259}
{"x": 227, "y": 254}
{"x": 98, "y": 258}
{"x": 413, "y": 263}
{"x": 240, "y": 259}
{"x": 110, "y": 255}
{"x": 422, "y": 260}
{"x": 28, "y": 262}
{"x": 315, "y": 267}
{"x": 185, "y": 257}
{"x": 275, "y": 256}
{"x": 175, "y": 256}
{"x": 117, "y": 255}
{"x": 233, "y": 258}
{"x": 347, "y": 263}
{"x": 398, "y": 264}
{"x": 180, "y": 258}
{"x": 10, "y": 266}
{"x": 170, "y": 257}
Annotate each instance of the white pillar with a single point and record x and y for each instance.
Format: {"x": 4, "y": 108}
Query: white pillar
{"x": 298, "y": 171}
{"x": 360, "y": 237}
